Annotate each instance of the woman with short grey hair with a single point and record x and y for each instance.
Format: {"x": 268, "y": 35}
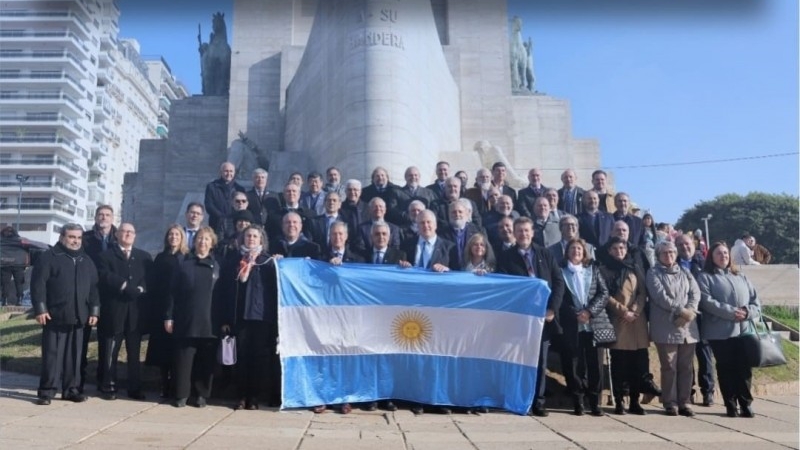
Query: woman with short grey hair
{"x": 674, "y": 299}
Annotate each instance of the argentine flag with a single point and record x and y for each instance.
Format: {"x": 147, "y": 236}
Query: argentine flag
{"x": 361, "y": 333}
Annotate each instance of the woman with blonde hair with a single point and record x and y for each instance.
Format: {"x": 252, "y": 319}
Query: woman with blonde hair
{"x": 478, "y": 255}
{"x": 160, "y": 344}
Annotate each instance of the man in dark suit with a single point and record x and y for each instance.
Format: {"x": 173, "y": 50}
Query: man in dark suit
{"x": 353, "y": 209}
{"x": 291, "y": 197}
{"x": 218, "y": 199}
{"x": 526, "y": 196}
{"x": 413, "y": 191}
{"x": 635, "y": 226}
{"x": 499, "y": 173}
{"x": 530, "y": 260}
{"x": 570, "y": 196}
{"x": 442, "y": 173}
{"x": 441, "y": 207}
{"x": 100, "y": 238}
{"x": 195, "y": 212}
{"x": 594, "y": 225}
{"x": 480, "y": 193}
{"x": 377, "y": 211}
{"x": 123, "y": 272}
{"x": 459, "y": 231}
{"x": 318, "y": 229}
{"x": 502, "y": 238}
{"x": 568, "y": 225}
{"x": 260, "y": 201}
{"x": 383, "y": 188}
{"x": 428, "y": 251}
{"x": 379, "y": 251}
{"x": 337, "y": 250}
{"x": 293, "y": 244}
{"x": 313, "y": 200}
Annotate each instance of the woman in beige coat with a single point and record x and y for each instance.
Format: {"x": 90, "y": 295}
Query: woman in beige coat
{"x": 628, "y": 296}
{"x": 674, "y": 299}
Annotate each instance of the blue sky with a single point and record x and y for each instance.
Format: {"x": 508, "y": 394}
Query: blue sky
{"x": 654, "y": 81}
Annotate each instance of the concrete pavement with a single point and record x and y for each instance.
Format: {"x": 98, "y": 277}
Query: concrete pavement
{"x": 125, "y": 424}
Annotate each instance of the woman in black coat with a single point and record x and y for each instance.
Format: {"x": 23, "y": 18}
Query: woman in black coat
{"x": 160, "y": 346}
{"x": 586, "y": 327}
{"x": 248, "y": 308}
{"x": 189, "y": 319}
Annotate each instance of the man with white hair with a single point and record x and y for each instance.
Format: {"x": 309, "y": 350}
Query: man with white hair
{"x": 382, "y": 187}
{"x": 410, "y": 229}
{"x": 377, "y": 214}
{"x": 413, "y": 191}
{"x": 480, "y": 193}
{"x": 460, "y": 230}
{"x": 526, "y": 196}
{"x": 452, "y": 192}
{"x": 546, "y": 232}
{"x": 354, "y": 210}
{"x": 218, "y": 199}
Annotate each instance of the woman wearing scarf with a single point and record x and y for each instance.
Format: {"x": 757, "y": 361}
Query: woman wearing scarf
{"x": 248, "y": 310}
{"x": 674, "y": 298}
{"x": 584, "y": 320}
{"x": 626, "y": 304}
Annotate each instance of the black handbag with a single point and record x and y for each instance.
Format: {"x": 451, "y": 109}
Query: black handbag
{"x": 762, "y": 348}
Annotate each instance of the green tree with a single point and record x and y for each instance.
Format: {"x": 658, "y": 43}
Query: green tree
{"x": 771, "y": 218}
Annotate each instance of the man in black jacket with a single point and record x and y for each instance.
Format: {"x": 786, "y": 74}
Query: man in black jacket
{"x": 218, "y": 199}
{"x": 64, "y": 297}
{"x": 530, "y": 260}
{"x": 123, "y": 272}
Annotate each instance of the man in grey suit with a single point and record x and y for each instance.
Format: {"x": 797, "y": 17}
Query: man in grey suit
{"x": 428, "y": 251}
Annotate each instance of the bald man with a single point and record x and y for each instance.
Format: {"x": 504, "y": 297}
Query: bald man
{"x": 218, "y": 199}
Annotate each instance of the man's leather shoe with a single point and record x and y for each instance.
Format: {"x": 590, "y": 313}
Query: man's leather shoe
{"x": 686, "y": 412}
{"x": 251, "y": 405}
{"x": 136, "y": 395}
{"x": 319, "y": 409}
{"x": 390, "y": 406}
{"x": 371, "y": 406}
{"x": 445, "y": 410}
{"x": 708, "y": 399}
{"x": 671, "y": 411}
{"x": 578, "y": 410}
{"x": 539, "y": 412}
{"x": 109, "y": 395}
{"x": 42, "y": 401}
{"x": 346, "y": 408}
{"x": 76, "y": 398}
{"x": 179, "y": 402}
{"x": 417, "y": 410}
{"x": 242, "y": 404}
{"x": 637, "y": 409}
{"x": 619, "y": 409}
{"x": 747, "y": 411}
{"x": 596, "y": 411}
{"x": 201, "y": 402}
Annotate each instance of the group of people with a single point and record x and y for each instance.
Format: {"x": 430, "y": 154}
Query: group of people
{"x": 218, "y": 280}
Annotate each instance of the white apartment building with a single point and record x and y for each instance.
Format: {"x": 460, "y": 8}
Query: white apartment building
{"x": 74, "y": 103}
{"x": 169, "y": 90}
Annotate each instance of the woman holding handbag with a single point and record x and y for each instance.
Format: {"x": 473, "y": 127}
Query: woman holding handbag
{"x": 586, "y": 327}
{"x": 674, "y": 298}
{"x": 248, "y": 311}
{"x": 728, "y": 301}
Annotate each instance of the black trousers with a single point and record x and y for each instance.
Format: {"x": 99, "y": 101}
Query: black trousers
{"x": 87, "y": 336}
{"x": 257, "y": 367}
{"x": 194, "y": 366}
{"x": 541, "y": 375}
{"x": 109, "y": 354}
{"x": 13, "y": 281}
{"x": 734, "y": 374}
{"x": 628, "y": 367}
{"x": 583, "y": 368}
{"x": 61, "y": 357}
{"x": 705, "y": 367}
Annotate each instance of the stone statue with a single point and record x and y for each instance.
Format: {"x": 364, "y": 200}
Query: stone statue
{"x": 489, "y": 154}
{"x": 530, "y": 78}
{"x": 215, "y": 58}
{"x": 247, "y": 157}
{"x": 519, "y": 56}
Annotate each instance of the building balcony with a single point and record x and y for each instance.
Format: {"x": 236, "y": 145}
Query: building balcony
{"x": 28, "y": 58}
{"x": 41, "y": 164}
{"x": 38, "y": 99}
{"x": 68, "y": 38}
{"x": 34, "y": 209}
{"x": 11, "y": 77}
{"x": 39, "y": 186}
{"x": 162, "y": 131}
{"x": 43, "y": 141}
{"x": 99, "y": 149}
{"x": 11, "y": 16}
{"x": 47, "y": 119}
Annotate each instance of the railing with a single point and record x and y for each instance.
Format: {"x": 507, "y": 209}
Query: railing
{"x": 53, "y": 160}
{"x": 71, "y": 210}
{"x": 42, "y": 184}
{"x": 43, "y": 54}
{"x": 43, "y": 76}
{"x": 49, "y": 139}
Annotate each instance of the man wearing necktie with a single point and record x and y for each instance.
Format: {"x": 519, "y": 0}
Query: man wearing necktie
{"x": 413, "y": 191}
{"x": 530, "y": 260}
{"x": 442, "y": 173}
{"x": 194, "y": 218}
{"x": 460, "y": 230}
{"x": 339, "y": 250}
{"x": 123, "y": 272}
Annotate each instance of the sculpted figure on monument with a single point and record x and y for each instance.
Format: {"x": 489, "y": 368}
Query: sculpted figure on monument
{"x": 530, "y": 78}
{"x": 246, "y": 156}
{"x": 519, "y": 56}
{"x": 215, "y": 58}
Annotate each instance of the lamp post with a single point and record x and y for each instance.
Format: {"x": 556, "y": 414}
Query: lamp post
{"x": 706, "y": 219}
{"x": 21, "y": 179}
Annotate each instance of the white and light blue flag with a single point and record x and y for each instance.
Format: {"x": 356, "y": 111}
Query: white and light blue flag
{"x": 361, "y": 333}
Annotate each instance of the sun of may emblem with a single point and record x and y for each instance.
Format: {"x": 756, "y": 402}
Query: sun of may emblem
{"x": 411, "y": 329}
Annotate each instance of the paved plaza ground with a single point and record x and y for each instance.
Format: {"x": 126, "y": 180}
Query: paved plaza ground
{"x": 126, "y": 424}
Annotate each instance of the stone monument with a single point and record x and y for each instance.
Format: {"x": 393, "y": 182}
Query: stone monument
{"x": 356, "y": 84}
{"x": 215, "y": 58}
